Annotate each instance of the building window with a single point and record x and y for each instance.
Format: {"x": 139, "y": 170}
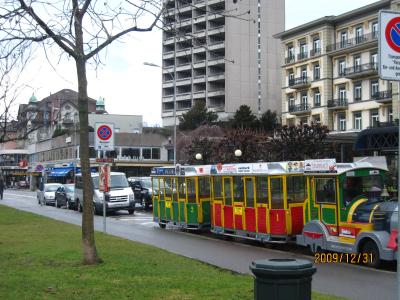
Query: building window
{"x": 342, "y": 122}
{"x": 291, "y": 101}
{"x": 357, "y": 120}
{"x": 155, "y": 153}
{"x": 317, "y": 98}
{"x": 303, "y": 50}
{"x": 130, "y": 153}
{"x": 291, "y": 78}
{"x": 359, "y": 35}
{"x": 342, "y": 93}
{"x": 170, "y": 154}
{"x": 342, "y": 67}
{"x": 316, "y": 46}
{"x": 343, "y": 39}
{"x": 303, "y": 120}
{"x": 146, "y": 153}
{"x": 390, "y": 114}
{"x": 290, "y": 53}
{"x": 304, "y": 73}
{"x": 374, "y": 117}
{"x": 374, "y": 60}
{"x": 357, "y": 91}
{"x": 304, "y": 101}
{"x": 374, "y": 89}
{"x": 357, "y": 63}
{"x": 317, "y": 70}
{"x": 375, "y": 29}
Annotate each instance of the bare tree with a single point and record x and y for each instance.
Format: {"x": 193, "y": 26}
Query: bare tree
{"x": 81, "y": 29}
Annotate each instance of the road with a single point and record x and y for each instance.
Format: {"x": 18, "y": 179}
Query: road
{"x": 346, "y": 280}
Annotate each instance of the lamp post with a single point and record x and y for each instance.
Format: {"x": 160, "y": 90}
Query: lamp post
{"x": 199, "y": 156}
{"x": 149, "y": 64}
{"x": 238, "y": 153}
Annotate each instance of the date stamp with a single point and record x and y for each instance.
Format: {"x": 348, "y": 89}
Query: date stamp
{"x": 350, "y": 258}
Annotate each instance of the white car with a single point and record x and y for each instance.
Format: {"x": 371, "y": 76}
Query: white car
{"x": 48, "y": 194}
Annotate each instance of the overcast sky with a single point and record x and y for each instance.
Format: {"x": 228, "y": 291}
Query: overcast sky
{"x": 127, "y": 85}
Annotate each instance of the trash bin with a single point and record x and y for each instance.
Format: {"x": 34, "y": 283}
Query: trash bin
{"x": 282, "y": 279}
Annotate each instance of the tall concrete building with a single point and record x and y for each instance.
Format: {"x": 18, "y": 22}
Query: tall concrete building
{"x": 221, "y": 52}
{"x": 330, "y": 73}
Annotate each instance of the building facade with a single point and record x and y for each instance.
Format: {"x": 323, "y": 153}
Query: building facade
{"x": 223, "y": 53}
{"x": 330, "y": 72}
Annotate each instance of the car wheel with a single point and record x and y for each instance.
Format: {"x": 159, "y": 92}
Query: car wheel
{"x": 131, "y": 211}
{"x": 371, "y": 252}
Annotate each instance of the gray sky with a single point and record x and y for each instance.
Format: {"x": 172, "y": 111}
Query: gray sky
{"x": 127, "y": 85}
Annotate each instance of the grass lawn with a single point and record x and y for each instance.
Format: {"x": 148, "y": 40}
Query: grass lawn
{"x": 41, "y": 259}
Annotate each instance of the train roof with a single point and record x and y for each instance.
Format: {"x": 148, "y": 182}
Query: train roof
{"x": 314, "y": 166}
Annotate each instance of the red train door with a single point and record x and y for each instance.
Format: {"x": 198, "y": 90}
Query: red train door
{"x": 250, "y": 207}
{"x": 238, "y": 202}
{"x": 277, "y": 212}
{"x": 262, "y": 203}
{"x": 228, "y": 203}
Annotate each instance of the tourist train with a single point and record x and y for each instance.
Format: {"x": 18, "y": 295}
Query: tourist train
{"x": 321, "y": 204}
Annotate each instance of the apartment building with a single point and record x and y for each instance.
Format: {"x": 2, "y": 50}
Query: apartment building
{"x": 330, "y": 72}
{"x": 223, "y": 53}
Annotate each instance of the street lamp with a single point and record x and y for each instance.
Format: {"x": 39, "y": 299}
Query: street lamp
{"x": 238, "y": 153}
{"x": 149, "y": 64}
{"x": 199, "y": 156}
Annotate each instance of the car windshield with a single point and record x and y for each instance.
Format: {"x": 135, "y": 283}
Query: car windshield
{"x": 51, "y": 188}
{"x": 70, "y": 188}
{"x": 117, "y": 181}
{"x": 146, "y": 183}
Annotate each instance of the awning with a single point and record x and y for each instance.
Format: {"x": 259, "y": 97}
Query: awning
{"x": 60, "y": 172}
{"x": 381, "y": 138}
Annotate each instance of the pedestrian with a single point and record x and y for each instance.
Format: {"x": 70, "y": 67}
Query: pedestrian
{"x": 1, "y": 188}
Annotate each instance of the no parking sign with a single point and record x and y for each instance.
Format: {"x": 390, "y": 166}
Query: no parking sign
{"x": 389, "y": 45}
{"x": 104, "y": 136}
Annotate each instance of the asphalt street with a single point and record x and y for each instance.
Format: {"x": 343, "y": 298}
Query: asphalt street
{"x": 351, "y": 281}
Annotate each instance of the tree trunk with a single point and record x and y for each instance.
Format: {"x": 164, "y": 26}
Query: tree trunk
{"x": 90, "y": 256}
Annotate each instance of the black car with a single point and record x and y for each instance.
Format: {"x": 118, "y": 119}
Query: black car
{"x": 65, "y": 196}
{"x": 143, "y": 191}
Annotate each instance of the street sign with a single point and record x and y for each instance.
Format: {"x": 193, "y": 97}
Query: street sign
{"x": 389, "y": 45}
{"x": 104, "y": 136}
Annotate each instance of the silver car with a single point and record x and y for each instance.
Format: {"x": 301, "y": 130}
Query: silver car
{"x": 47, "y": 195}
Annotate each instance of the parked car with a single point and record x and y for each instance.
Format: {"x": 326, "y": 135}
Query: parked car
{"x": 46, "y": 195}
{"x": 143, "y": 191}
{"x": 65, "y": 196}
{"x": 119, "y": 197}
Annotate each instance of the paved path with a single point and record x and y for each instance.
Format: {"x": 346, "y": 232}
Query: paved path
{"x": 351, "y": 281}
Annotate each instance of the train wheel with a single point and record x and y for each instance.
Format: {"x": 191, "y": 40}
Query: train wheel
{"x": 371, "y": 252}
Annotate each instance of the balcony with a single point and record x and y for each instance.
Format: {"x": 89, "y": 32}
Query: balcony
{"x": 363, "y": 70}
{"x": 383, "y": 97}
{"x": 299, "y": 83}
{"x": 300, "y": 109}
{"x": 337, "y": 103}
{"x": 315, "y": 52}
{"x": 290, "y": 59}
{"x": 350, "y": 43}
{"x": 302, "y": 56}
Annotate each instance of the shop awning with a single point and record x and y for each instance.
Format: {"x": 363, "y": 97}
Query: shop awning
{"x": 60, "y": 172}
{"x": 381, "y": 138}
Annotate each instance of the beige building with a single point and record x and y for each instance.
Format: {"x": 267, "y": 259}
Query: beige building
{"x": 330, "y": 72}
{"x": 223, "y": 53}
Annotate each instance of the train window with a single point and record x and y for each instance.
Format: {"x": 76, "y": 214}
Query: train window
{"x": 296, "y": 189}
{"x": 238, "y": 189}
{"x": 227, "y": 191}
{"x": 353, "y": 187}
{"x": 325, "y": 190}
{"x": 262, "y": 189}
{"x": 277, "y": 193}
{"x": 249, "y": 192}
{"x": 168, "y": 188}
{"x": 204, "y": 187}
{"x": 217, "y": 188}
{"x": 191, "y": 190}
{"x": 181, "y": 188}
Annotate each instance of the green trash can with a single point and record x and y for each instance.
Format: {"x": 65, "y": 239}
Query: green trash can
{"x": 282, "y": 279}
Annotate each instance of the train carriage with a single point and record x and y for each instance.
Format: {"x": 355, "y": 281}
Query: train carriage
{"x": 182, "y": 197}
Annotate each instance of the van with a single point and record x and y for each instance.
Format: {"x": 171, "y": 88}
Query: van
{"x": 120, "y": 196}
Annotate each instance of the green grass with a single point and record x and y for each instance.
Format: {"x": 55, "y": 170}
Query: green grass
{"x": 42, "y": 259}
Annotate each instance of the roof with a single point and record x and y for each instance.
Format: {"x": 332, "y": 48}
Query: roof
{"x": 333, "y": 20}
